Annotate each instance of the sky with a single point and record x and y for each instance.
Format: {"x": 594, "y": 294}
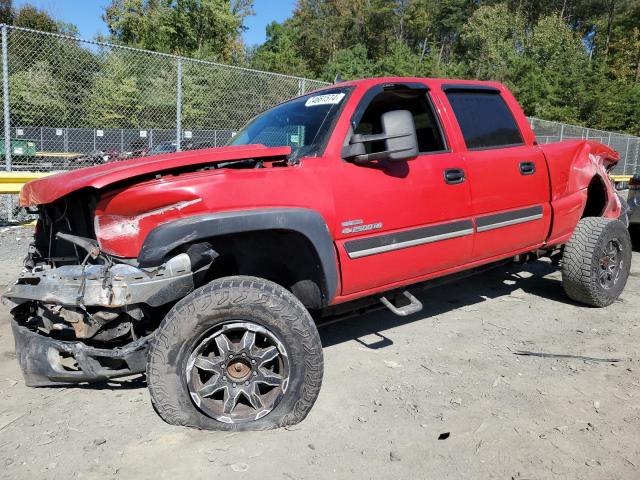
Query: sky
{"x": 87, "y": 15}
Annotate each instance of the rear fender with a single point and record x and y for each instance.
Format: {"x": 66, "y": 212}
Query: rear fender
{"x": 573, "y": 165}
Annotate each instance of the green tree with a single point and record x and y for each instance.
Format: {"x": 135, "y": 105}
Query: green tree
{"x": 322, "y": 28}
{"x": 279, "y": 54}
{"x": 562, "y": 59}
{"x": 157, "y": 84}
{"x": 202, "y": 28}
{"x": 493, "y": 38}
{"x": 6, "y": 11}
{"x": 29, "y": 16}
{"x": 37, "y": 98}
{"x": 399, "y": 60}
{"x": 558, "y": 52}
{"x": 349, "y": 64}
{"x": 115, "y": 99}
{"x": 62, "y": 63}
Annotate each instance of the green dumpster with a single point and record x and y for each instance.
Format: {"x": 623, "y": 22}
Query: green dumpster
{"x": 20, "y": 148}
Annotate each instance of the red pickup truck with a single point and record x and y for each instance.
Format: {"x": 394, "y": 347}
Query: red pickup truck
{"x": 209, "y": 269}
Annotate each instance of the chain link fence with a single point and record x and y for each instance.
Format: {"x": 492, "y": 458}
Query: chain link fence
{"x": 628, "y": 146}
{"x": 70, "y": 103}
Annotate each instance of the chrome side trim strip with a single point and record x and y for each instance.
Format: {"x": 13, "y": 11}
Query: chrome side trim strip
{"x": 410, "y": 243}
{"x": 515, "y": 221}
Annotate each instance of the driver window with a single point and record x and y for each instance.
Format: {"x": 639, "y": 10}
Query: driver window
{"x": 429, "y": 134}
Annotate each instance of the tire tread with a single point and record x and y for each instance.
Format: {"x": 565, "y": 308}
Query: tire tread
{"x": 225, "y": 293}
{"x": 579, "y": 255}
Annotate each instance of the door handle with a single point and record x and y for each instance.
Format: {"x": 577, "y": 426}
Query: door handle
{"x": 453, "y": 176}
{"x": 527, "y": 168}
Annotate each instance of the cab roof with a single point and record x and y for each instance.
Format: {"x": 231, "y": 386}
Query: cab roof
{"x": 429, "y": 82}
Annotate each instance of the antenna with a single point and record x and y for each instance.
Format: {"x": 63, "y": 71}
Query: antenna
{"x": 338, "y": 79}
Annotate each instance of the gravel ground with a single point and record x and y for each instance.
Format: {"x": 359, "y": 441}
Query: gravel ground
{"x": 14, "y": 241}
{"x": 438, "y": 395}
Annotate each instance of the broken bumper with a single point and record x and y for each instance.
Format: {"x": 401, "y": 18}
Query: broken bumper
{"x": 46, "y": 361}
{"x": 110, "y": 287}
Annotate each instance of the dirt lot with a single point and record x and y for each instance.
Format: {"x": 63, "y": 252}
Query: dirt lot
{"x": 392, "y": 387}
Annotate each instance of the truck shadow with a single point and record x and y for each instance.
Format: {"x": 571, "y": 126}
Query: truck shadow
{"x": 535, "y": 279}
{"x": 129, "y": 383}
{"x": 368, "y": 328}
{"x": 499, "y": 283}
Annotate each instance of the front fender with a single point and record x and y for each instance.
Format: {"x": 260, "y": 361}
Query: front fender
{"x": 166, "y": 237}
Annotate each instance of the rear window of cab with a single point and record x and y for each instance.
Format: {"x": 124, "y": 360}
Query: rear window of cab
{"x": 484, "y": 118}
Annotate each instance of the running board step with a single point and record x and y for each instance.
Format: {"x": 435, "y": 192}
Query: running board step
{"x": 412, "y": 307}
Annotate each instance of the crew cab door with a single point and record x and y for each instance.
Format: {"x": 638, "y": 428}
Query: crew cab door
{"x": 398, "y": 221}
{"x": 508, "y": 176}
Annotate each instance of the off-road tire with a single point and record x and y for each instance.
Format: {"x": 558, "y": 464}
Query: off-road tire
{"x": 240, "y": 297}
{"x": 581, "y": 261}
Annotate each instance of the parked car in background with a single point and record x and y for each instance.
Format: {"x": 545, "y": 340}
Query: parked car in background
{"x": 171, "y": 147}
{"x": 162, "y": 147}
{"x": 633, "y": 199}
{"x": 198, "y": 146}
{"x": 95, "y": 157}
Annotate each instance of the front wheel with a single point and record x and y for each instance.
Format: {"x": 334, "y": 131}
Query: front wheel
{"x": 240, "y": 353}
{"x": 596, "y": 261}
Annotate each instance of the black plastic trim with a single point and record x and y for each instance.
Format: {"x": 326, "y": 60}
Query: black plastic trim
{"x": 527, "y": 168}
{"x": 394, "y": 241}
{"x": 41, "y": 366}
{"x": 463, "y": 87}
{"x": 167, "y": 237}
{"x": 499, "y": 218}
{"x": 454, "y": 176}
{"x": 497, "y": 147}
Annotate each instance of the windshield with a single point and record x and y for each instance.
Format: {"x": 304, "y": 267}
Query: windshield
{"x": 303, "y": 124}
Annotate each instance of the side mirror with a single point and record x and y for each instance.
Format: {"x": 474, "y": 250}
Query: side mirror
{"x": 399, "y": 135}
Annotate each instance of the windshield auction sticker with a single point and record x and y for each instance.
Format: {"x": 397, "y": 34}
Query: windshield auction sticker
{"x": 329, "y": 99}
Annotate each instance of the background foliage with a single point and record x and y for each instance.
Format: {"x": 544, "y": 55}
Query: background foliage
{"x": 575, "y": 61}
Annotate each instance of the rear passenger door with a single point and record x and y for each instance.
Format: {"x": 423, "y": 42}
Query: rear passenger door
{"x": 508, "y": 177}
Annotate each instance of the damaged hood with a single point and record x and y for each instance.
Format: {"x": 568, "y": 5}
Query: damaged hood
{"x": 51, "y": 188}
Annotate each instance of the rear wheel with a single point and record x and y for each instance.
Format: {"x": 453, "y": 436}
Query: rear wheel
{"x": 241, "y": 353}
{"x": 596, "y": 261}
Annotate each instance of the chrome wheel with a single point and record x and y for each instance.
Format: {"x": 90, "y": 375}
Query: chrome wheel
{"x": 611, "y": 262}
{"x": 237, "y": 372}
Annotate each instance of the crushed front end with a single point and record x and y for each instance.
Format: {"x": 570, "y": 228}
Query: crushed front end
{"x": 81, "y": 314}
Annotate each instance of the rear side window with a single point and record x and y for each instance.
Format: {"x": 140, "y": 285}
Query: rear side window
{"x": 485, "y": 119}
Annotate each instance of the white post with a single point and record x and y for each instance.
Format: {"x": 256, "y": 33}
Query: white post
{"x": 5, "y": 98}
{"x": 179, "y": 107}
